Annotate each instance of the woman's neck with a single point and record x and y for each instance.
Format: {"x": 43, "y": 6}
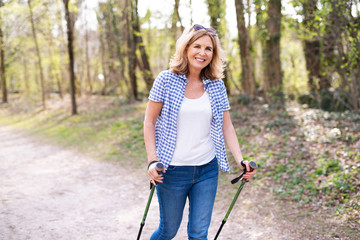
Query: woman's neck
{"x": 193, "y": 77}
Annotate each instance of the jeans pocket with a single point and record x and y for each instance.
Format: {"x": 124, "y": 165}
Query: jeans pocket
{"x": 171, "y": 168}
{"x": 213, "y": 162}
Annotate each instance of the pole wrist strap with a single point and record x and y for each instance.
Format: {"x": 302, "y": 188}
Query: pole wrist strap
{"x": 152, "y": 162}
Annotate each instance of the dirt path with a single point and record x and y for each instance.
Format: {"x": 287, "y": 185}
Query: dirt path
{"x": 48, "y": 192}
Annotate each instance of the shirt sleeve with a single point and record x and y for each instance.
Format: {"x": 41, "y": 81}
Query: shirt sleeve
{"x": 224, "y": 98}
{"x": 157, "y": 91}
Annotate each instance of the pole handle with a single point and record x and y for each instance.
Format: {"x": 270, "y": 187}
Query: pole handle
{"x": 253, "y": 166}
{"x": 159, "y": 166}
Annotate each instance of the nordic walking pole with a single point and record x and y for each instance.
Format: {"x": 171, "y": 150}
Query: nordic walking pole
{"x": 253, "y": 166}
{"x": 159, "y": 167}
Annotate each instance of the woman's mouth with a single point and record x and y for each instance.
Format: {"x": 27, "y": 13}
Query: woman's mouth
{"x": 200, "y": 59}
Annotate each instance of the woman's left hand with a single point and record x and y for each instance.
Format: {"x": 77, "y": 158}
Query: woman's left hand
{"x": 249, "y": 174}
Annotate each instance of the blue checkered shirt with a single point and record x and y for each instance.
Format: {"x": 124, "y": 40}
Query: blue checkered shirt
{"x": 169, "y": 88}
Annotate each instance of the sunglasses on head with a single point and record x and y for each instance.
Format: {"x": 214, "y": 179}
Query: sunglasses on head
{"x": 209, "y": 30}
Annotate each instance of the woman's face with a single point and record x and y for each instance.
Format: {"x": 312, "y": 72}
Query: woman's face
{"x": 200, "y": 53}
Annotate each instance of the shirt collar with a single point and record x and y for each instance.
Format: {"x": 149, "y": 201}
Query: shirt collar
{"x": 206, "y": 81}
{"x": 183, "y": 77}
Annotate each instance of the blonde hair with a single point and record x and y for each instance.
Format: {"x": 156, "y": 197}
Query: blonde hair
{"x": 179, "y": 62}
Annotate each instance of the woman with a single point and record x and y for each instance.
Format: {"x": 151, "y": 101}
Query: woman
{"x": 187, "y": 123}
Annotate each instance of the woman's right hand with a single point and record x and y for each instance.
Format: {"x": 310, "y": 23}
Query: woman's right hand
{"x": 155, "y": 176}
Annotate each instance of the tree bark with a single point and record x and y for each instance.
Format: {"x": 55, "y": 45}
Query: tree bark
{"x": 345, "y": 32}
{"x": 70, "y": 25}
{"x": 42, "y": 81}
{"x": 60, "y": 74}
{"x": 2, "y": 64}
{"x": 88, "y": 78}
{"x": 146, "y": 70}
{"x": 131, "y": 44}
{"x": 247, "y": 77}
{"x": 174, "y": 28}
{"x": 119, "y": 53}
{"x": 53, "y": 73}
{"x": 328, "y": 47}
{"x": 102, "y": 53}
{"x": 273, "y": 74}
{"x": 312, "y": 45}
{"x": 26, "y": 75}
{"x": 216, "y": 11}
{"x": 110, "y": 40}
{"x": 260, "y": 42}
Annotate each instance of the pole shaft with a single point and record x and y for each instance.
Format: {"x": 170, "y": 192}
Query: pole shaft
{"x": 234, "y": 200}
{"x": 230, "y": 208}
{"x": 148, "y": 204}
{"x": 146, "y": 211}
{"x": 218, "y": 232}
{"x": 159, "y": 168}
{"x": 140, "y": 230}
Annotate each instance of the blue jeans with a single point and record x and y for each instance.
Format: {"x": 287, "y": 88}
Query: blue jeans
{"x": 199, "y": 184}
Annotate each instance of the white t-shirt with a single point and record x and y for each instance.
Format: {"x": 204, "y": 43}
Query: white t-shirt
{"x": 194, "y": 146}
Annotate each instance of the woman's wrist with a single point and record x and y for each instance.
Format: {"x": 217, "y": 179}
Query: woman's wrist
{"x": 151, "y": 163}
{"x": 241, "y": 163}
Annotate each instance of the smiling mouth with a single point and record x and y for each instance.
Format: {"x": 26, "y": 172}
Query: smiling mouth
{"x": 200, "y": 60}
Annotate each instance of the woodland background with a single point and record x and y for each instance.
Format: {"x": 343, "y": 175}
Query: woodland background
{"x": 293, "y": 77}
{"x": 312, "y": 55}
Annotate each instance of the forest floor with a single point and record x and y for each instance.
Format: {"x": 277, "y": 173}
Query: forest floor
{"x": 53, "y": 190}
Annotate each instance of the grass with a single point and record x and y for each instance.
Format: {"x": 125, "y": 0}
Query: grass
{"x": 110, "y": 130}
{"x": 304, "y": 155}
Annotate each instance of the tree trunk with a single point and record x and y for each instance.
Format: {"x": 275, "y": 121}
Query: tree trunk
{"x": 147, "y": 74}
{"x": 247, "y": 77}
{"x": 102, "y": 53}
{"x": 111, "y": 42}
{"x": 70, "y": 25}
{"x": 355, "y": 78}
{"x": 191, "y": 13}
{"x": 26, "y": 75}
{"x": 174, "y": 28}
{"x": 119, "y": 53}
{"x": 131, "y": 44}
{"x": 60, "y": 74}
{"x": 260, "y": 42}
{"x": 273, "y": 74}
{"x": 216, "y": 11}
{"x": 88, "y": 78}
{"x": 345, "y": 32}
{"x": 2, "y": 64}
{"x": 313, "y": 63}
{"x": 42, "y": 82}
{"x": 312, "y": 45}
{"x": 328, "y": 47}
{"x": 53, "y": 73}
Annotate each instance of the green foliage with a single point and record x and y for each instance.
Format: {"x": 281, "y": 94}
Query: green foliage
{"x": 295, "y": 151}
{"x": 243, "y": 99}
{"x": 293, "y": 61}
{"x": 327, "y": 100}
{"x": 327, "y": 166}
